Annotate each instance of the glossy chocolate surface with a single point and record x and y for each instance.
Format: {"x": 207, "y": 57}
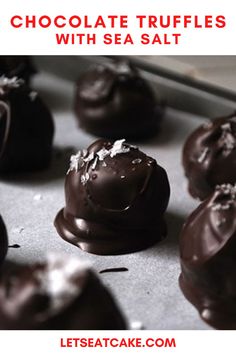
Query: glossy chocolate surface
{"x": 58, "y": 294}
{"x": 26, "y": 128}
{"x": 209, "y": 156}
{"x": 208, "y": 258}
{"x": 19, "y": 66}
{"x": 3, "y": 241}
{"x": 114, "y": 101}
{"x": 115, "y": 199}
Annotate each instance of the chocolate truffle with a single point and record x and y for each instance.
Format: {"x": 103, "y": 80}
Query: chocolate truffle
{"x": 26, "y": 128}
{"x": 209, "y": 156}
{"x": 208, "y": 258}
{"x": 3, "y": 241}
{"x": 115, "y": 199}
{"x": 20, "y": 66}
{"x": 114, "y": 101}
{"x": 58, "y": 294}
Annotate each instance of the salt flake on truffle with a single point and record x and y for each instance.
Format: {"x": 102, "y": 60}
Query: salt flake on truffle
{"x": 227, "y": 139}
{"x": 223, "y": 189}
{"x": 9, "y": 83}
{"x": 76, "y": 162}
{"x": 119, "y": 148}
{"x": 136, "y": 161}
{"x": 102, "y": 154}
{"x": 33, "y": 95}
{"x": 57, "y": 281}
{"x": 203, "y": 155}
{"x": 84, "y": 178}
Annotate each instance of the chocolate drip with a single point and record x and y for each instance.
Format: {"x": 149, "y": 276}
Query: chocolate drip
{"x": 114, "y": 270}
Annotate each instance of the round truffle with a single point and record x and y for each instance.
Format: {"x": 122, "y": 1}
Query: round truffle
{"x": 60, "y": 294}
{"x": 114, "y": 101}
{"x": 115, "y": 199}
{"x": 209, "y": 156}
{"x": 26, "y": 128}
{"x": 20, "y": 66}
{"x": 208, "y": 258}
{"x": 3, "y": 241}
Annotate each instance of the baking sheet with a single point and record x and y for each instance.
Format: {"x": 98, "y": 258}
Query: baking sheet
{"x": 149, "y": 291}
{"x": 204, "y": 100}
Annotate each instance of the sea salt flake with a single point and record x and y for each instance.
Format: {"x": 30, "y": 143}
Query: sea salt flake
{"x": 37, "y": 197}
{"x": 13, "y": 82}
{"x": 102, "y": 154}
{"x": 119, "y": 148}
{"x": 94, "y": 164}
{"x": 84, "y": 178}
{"x": 89, "y": 158}
{"x": 136, "y": 325}
{"x": 136, "y": 161}
{"x": 219, "y": 223}
{"x": 227, "y": 139}
{"x": 207, "y": 124}
{"x": 76, "y": 162}
{"x": 227, "y": 190}
{"x": 58, "y": 280}
{"x": 33, "y": 95}
{"x": 203, "y": 155}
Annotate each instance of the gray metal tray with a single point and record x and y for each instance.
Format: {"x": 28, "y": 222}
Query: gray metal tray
{"x": 149, "y": 291}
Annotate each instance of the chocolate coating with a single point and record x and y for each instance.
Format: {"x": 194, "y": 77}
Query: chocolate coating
{"x": 26, "y": 128}
{"x": 115, "y": 101}
{"x": 3, "y": 241}
{"x": 115, "y": 199}
{"x": 208, "y": 258}
{"x": 57, "y": 294}
{"x": 209, "y": 156}
{"x": 20, "y": 66}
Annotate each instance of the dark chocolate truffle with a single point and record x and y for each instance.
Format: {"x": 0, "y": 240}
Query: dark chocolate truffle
{"x": 26, "y": 128}
{"x": 208, "y": 258}
{"x": 113, "y": 101}
{"x": 20, "y": 66}
{"x": 209, "y": 156}
{"x": 3, "y": 241}
{"x": 58, "y": 294}
{"x": 115, "y": 199}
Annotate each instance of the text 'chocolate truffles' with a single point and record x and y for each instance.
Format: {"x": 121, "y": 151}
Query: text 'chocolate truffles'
{"x": 209, "y": 156}
{"x": 3, "y": 240}
{"x": 57, "y": 294}
{"x": 115, "y": 199}
{"x": 208, "y": 258}
{"x": 26, "y": 128}
{"x": 113, "y": 101}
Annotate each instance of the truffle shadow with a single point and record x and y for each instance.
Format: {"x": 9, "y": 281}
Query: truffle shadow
{"x": 170, "y": 244}
{"x": 168, "y": 133}
{"x": 56, "y": 170}
{"x": 174, "y": 224}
